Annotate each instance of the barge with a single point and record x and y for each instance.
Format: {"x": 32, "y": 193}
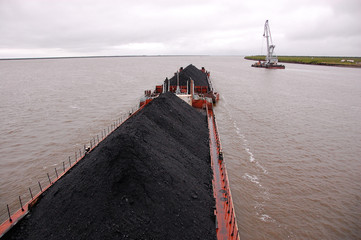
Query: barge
{"x": 160, "y": 174}
{"x": 195, "y": 87}
{"x": 268, "y": 65}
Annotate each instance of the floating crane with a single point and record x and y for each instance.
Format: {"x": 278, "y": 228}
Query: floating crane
{"x": 270, "y": 47}
{"x": 271, "y": 60}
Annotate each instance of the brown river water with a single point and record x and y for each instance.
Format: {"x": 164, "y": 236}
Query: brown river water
{"x": 291, "y": 138}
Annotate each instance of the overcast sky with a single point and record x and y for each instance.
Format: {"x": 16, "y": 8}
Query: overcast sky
{"x": 54, "y": 28}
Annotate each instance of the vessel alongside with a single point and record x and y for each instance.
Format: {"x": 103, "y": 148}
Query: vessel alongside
{"x": 271, "y": 61}
{"x": 160, "y": 174}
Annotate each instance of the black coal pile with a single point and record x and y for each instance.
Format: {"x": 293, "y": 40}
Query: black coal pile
{"x": 150, "y": 179}
{"x": 190, "y": 72}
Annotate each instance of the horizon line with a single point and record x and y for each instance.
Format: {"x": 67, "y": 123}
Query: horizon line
{"x": 163, "y": 55}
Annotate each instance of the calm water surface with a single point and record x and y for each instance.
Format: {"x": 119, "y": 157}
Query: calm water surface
{"x": 291, "y": 138}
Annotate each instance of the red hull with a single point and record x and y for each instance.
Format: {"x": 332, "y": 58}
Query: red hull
{"x": 268, "y": 66}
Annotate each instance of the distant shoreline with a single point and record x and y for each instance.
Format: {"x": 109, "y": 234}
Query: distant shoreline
{"x": 37, "y": 58}
{"x": 116, "y": 56}
{"x": 352, "y": 62}
{"x": 308, "y": 60}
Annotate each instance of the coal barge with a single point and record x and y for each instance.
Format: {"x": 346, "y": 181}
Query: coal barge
{"x": 159, "y": 175}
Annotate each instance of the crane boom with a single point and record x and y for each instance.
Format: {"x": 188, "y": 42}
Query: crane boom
{"x": 270, "y": 46}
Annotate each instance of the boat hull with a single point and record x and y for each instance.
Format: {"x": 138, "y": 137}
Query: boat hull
{"x": 269, "y": 66}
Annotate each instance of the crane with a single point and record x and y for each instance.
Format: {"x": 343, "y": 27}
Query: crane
{"x": 270, "y": 59}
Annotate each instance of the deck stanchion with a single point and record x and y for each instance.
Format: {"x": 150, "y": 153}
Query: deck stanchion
{"x": 21, "y": 204}
{"x": 79, "y": 154}
{"x": 31, "y": 194}
{"x": 70, "y": 161}
{"x": 56, "y": 173}
{"x": 91, "y": 144}
{"x": 10, "y": 220}
{"x": 48, "y": 177}
{"x": 234, "y": 223}
{"x": 40, "y": 187}
{"x": 229, "y": 208}
{"x": 63, "y": 167}
{"x": 230, "y": 222}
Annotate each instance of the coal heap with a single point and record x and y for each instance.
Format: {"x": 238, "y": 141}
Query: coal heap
{"x": 150, "y": 179}
{"x": 199, "y": 77}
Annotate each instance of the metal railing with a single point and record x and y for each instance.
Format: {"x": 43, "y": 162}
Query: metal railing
{"x": 11, "y": 209}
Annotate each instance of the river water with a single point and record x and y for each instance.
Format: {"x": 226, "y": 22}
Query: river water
{"x": 291, "y": 138}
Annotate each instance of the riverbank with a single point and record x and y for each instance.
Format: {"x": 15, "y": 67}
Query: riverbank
{"x": 314, "y": 60}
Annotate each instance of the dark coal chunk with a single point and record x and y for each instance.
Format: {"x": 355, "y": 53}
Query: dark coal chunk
{"x": 150, "y": 179}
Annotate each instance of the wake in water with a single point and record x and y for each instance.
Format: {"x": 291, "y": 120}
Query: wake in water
{"x": 260, "y": 201}
{"x": 259, "y": 206}
{"x": 241, "y": 136}
{"x": 247, "y": 148}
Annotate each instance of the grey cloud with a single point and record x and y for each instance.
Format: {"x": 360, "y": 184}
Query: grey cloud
{"x": 195, "y": 27}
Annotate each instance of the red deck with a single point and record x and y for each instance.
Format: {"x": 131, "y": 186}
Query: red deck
{"x": 226, "y": 222}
